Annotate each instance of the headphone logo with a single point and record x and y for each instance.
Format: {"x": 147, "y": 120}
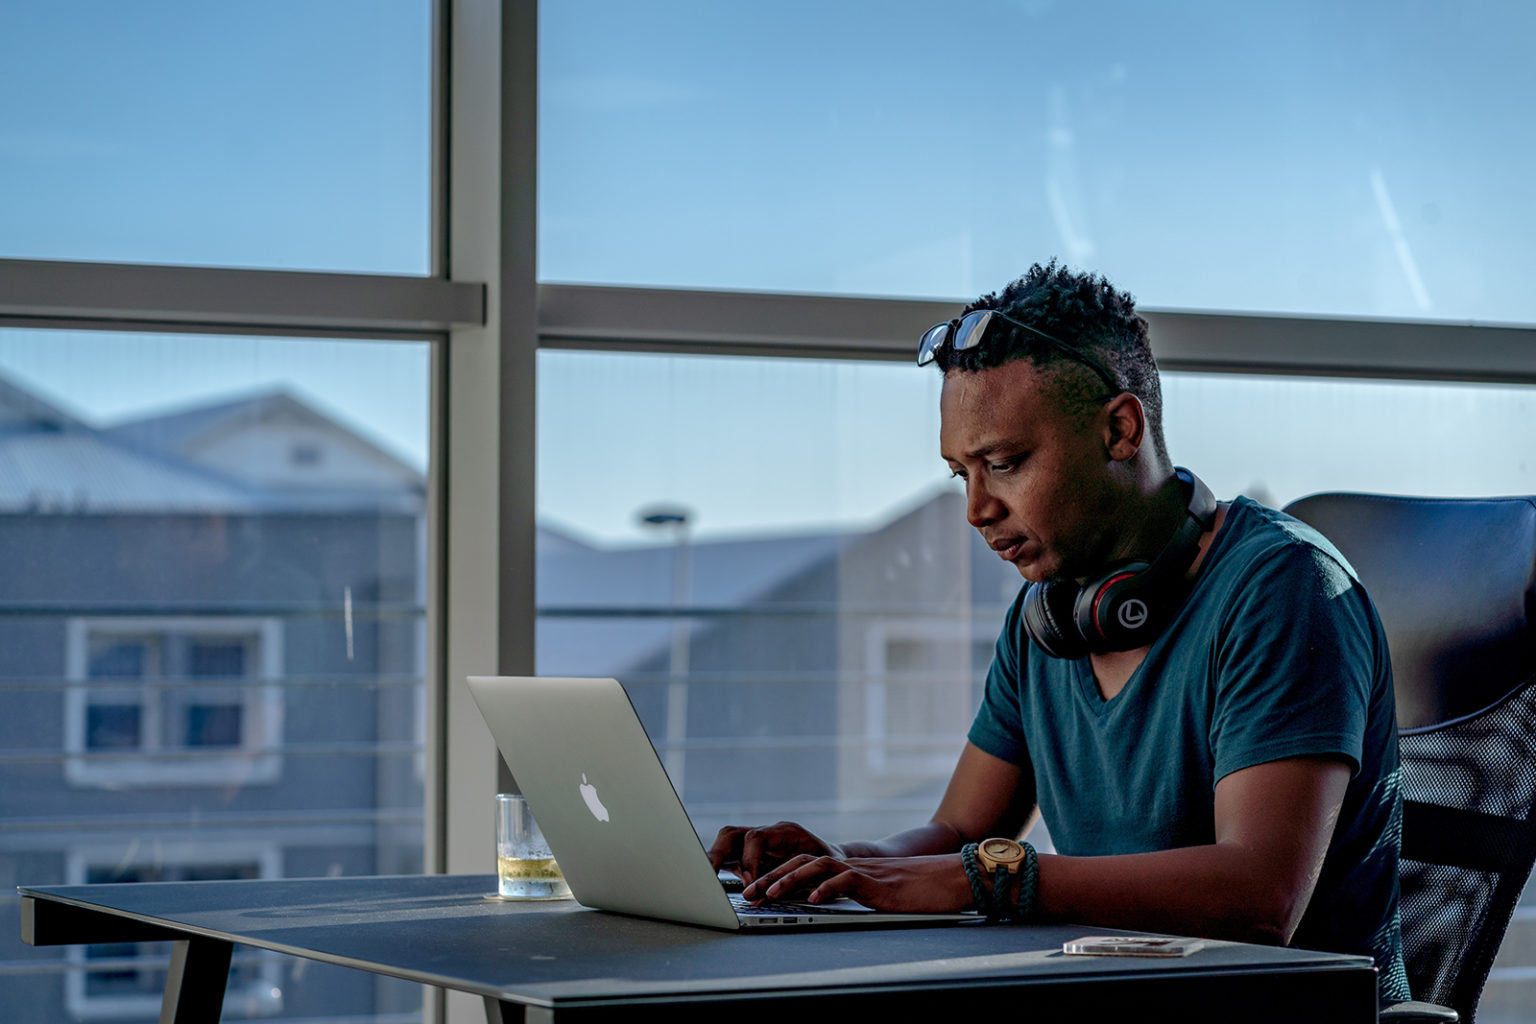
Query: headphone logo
{"x": 1133, "y": 614}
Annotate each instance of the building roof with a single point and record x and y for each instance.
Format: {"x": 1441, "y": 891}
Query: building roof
{"x": 604, "y": 611}
{"x": 593, "y": 600}
{"x": 76, "y": 470}
{"x": 185, "y": 431}
{"x": 52, "y": 461}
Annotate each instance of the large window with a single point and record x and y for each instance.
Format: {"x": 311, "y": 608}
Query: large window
{"x": 1358, "y": 158}
{"x": 214, "y": 623}
{"x": 284, "y": 134}
{"x": 767, "y": 554}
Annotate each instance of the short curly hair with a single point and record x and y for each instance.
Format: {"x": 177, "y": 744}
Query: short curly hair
{"x": 1084, "y": 311}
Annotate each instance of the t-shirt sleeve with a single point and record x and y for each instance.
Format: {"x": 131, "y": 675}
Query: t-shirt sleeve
{"x": 1296, "y": 660}
{"x": 998, "y": 727}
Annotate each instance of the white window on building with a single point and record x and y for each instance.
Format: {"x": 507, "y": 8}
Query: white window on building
{"x": 127, "y": 979}
{"x": 919, "y": 697}
{"x": 172, "y": 701}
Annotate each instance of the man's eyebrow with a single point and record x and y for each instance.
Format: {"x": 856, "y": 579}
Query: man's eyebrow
{"x": 987, "y": 449}
{"x": 991, "y": 448}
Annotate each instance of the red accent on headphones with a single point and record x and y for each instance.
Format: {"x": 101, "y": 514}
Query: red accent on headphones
{"x": 1098, "y": 599}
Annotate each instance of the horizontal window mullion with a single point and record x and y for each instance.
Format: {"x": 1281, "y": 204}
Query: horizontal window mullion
{"x": 821, "y": 326}
{"x": 141, "y": 297}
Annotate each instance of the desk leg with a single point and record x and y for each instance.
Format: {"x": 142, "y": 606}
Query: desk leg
{"x": 194, "y": 988}
{"x": 498, "y": 1012}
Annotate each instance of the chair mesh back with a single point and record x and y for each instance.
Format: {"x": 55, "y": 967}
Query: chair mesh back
{"x": 1454, "y": 580}
{"x": 1464, "y": 865}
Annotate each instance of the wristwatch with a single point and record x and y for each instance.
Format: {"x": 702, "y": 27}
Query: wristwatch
{"x": 1000, "y": 853}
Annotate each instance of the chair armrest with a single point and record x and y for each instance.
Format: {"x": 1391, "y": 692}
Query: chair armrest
{"x": 1418, "y": 1013}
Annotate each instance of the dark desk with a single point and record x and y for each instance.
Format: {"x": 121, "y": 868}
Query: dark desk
{"x": 559, "y": 961}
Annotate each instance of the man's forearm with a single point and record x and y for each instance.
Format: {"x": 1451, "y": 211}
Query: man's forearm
{"x": 1215, "y": 891}
{"x": 934, "y": 837}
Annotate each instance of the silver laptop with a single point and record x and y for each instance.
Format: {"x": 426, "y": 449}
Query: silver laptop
{"x": 612, "y": 818}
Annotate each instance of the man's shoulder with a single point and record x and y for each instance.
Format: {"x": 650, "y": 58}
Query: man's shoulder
{"x": 1260, "y": 534}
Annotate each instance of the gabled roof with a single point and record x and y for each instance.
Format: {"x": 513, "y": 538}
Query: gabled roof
{"x": 183, "y": 431}
{"x": 78, "y": 470}
{"x": 52, "y": 461}
{"x": 22, "y": 409}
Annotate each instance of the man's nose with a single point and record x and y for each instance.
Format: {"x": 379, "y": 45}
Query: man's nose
{"x": 981, "y": 507}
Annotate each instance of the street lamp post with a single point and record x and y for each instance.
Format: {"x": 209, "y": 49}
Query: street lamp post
{"x": 676, "y": 520}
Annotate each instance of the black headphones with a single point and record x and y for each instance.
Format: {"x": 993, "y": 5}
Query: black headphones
{"x": 1129, "y": 603}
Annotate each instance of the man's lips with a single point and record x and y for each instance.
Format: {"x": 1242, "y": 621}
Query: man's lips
{"x": 1007, "y": 548}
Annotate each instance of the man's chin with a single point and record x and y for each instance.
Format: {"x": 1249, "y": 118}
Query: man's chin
{"x": 1031, "y": 573}
{"x": 1034, "y": 572}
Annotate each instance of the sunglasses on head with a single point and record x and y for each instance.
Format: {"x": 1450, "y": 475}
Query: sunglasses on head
{"x": 967, "y": 331}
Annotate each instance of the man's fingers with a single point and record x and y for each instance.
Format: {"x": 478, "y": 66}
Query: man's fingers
{"x": 848, "y": 883}
{"x": 726, "y": 849}
{"x": 773, "y": 879}
{"x": 799, "y": 874}
{"x": 752, "y": 853}
{"x": 755, "y": 852}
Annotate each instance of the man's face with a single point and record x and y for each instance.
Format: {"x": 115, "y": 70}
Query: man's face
{"x": 1037, "y": 482}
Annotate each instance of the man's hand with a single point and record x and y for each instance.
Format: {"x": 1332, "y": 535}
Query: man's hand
{"x": 986, "y": 797}
{"x": 752, "y": 851}
{"x": 933, "y": 884}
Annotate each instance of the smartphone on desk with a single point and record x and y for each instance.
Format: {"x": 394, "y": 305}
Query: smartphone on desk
{"x": 1131, "y": 945}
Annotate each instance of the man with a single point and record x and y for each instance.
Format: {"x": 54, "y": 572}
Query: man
{"x": 1196, "y": 696}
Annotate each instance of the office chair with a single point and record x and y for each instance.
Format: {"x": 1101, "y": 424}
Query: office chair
{"x": 1454, "y": 580}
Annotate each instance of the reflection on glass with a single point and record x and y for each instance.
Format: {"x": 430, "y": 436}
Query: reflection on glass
{"x": 213, "y": 622}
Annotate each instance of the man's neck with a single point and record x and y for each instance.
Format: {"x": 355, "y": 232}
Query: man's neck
{"x": 1155, "y": 513}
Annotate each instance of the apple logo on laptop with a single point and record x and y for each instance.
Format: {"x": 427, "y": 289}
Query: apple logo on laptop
{"x": 589, "y": 794}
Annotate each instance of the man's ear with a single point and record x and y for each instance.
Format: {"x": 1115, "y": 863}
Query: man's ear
{"x": 1124, "y": 427}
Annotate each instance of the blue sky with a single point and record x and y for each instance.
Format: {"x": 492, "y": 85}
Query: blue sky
{"x": 1356, "y": 159}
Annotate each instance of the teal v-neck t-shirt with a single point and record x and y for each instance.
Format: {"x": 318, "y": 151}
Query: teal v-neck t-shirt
{"x": 1276, "y": 652}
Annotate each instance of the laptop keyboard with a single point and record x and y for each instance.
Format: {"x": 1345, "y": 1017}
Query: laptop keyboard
{"x": 775, "y": 909}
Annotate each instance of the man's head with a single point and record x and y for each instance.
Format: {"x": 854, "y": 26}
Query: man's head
{"x": 1088, "y": 317}
{"x": 1056, "y": 459}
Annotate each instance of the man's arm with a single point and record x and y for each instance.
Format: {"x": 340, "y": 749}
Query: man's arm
{"x": 1273, "y": 825}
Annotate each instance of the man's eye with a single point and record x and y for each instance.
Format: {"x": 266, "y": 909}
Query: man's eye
{"x": 1005, "y": 465}
{"x": 957, "y": 474}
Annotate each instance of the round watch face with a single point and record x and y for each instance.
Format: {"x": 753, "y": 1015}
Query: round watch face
{"x": 1000, "y": 852}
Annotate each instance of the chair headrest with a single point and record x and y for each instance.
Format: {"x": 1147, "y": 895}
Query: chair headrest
{"x": 1454, "y": 580}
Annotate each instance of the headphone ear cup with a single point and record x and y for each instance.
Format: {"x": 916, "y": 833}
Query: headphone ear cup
{"x": 1047, "y": 615}
{"x": 1116, "y": 613}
